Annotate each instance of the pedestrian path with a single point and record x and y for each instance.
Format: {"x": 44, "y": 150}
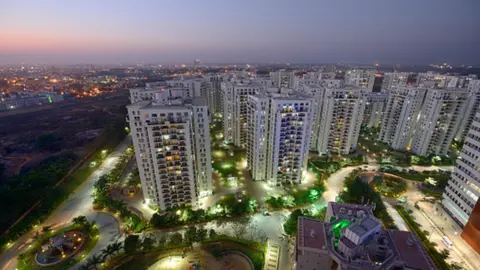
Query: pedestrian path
{"x": 272, "y": 256}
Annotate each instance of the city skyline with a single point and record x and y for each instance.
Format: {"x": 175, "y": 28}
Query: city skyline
{"x": 114, "y": 32}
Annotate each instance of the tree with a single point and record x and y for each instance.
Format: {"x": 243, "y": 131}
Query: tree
{"x": 108, "y": 251}
{"x": 445, "y": 253}
{"x": 161, "y": 241}
{"x": 288, "y": 201}
{"x": 147, "y": 244}
{"x": 116, "y": 247}
{"x": 456, "y": 266}
{"x": 129, "y": 224}
{"x": 212, "y": 234}
{"x": 80, "y": 220}
{"x": 191, "y": 234}
{"x": 290, "y": 226}
{"x": 176, "y": 238}
{"x": 94, "y": 260}
{"x": 131, "y": 243}
{"x": 201, "y": 234}
{"x": 46, "y": 229}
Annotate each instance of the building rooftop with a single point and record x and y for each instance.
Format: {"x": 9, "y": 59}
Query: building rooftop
{"x": 410, "y": 250}
{"x": 355, "y": 239}
{"x": 347, "y": 210}
{"x": 310, "y": 233}
{"x": 199, "y": 101}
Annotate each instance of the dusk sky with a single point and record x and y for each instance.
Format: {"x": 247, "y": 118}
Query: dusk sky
{"x": 296, "y": 31}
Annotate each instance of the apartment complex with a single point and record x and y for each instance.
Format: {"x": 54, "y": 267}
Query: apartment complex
{"x": 353, "y": 238}
{"x": 317, "y": 92}
{"x": 463, "y": 188}
{"x": 359, "y": 77}
{"x": 341, "y": 119}
{"x": 440, "y": 118}
{"x": 472, "y": 104}
{"x": 235, "y": 110}
{"x": 393, "y": 80}
{"x": 400, "y": 117}
{"x": 283, "y": 79}
{"x": 279, "y": 123}
{"x": 213, "y": 93}
{"x": 374, "y": 109}
{"x": 171, "y": 137}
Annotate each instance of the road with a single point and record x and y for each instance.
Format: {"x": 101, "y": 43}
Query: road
{"x": 79, "y": 203}
{"x": 438, "y": 223}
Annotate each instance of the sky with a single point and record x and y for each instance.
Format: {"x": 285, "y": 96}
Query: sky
{"x": 248, "y": 31}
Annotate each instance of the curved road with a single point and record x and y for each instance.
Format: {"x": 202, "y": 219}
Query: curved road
{"x": 78, "y": 204}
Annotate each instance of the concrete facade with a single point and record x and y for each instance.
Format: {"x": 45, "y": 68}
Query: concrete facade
{"x": 463, "y": 188}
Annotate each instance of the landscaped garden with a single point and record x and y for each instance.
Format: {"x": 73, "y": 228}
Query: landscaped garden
{"x": 176, "y": 252}
{"x": 299, "y": 197}
{"x": 389, "y": 186}
{"x": 103, "y": 199}
{"x": 52, "y": 184}
{"x": 227, "y": 207}
{"x": 226, "y": 158}
{"x": 62, "y": 248}
{"x": 359, "y": 192}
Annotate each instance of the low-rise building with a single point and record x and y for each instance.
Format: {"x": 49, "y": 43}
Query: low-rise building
{"x": 354, "y": 239}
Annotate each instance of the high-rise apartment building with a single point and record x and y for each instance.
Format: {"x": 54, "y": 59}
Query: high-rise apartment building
{"x": 393, "y": 80}
{"x": 401, "y": 115}
{"x": 374, "y": 109}
{"x": 171, "y": 137}
{"x": 213, "y": 93}
{"x": 341, "y": 119}
{"x": 235, "y": 110}
{"x": 279, "y": 124}
{"x": 317, "y": 92}
{"x": 360, "y": 77}
{"x": 439, "y": 120}
{"x": 463, "y": 188}
{"x": 148, "y": 92}
{"x": 283, "y": 79}
{"x": 473, "y": 103}
{"x": 190, "y": 87}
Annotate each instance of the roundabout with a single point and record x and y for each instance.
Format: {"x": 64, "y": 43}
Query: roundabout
{"x": 59, "y": 248}
{"x": 389, "y": 185}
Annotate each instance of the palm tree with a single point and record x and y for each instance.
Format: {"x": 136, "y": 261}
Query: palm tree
{"x": 117, "y": 247}
{"x": 84, "y": 266}
{"x": 108, "y": 251}
{"x": 129, "y": 223}
{"x": 80, "y": 220}
{"x": 94, "y": 260}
